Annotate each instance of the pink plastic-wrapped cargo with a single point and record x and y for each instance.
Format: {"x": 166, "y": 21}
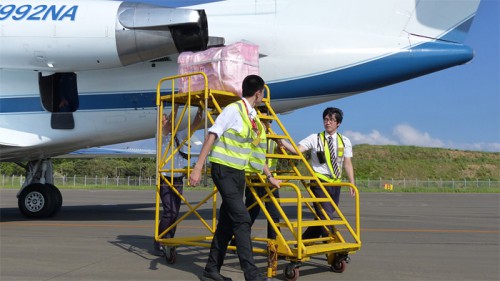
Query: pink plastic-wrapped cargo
{"x": 225, "y": 67}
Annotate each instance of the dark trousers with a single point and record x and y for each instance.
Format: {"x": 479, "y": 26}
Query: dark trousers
{"x": 317, "y": 231}
{"x": 171, "y": 204}
{"x": 270, "y": 207}
{"x": 233, "y": 220}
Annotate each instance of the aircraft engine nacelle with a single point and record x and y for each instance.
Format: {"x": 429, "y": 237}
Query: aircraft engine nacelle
{"x": 149, "y": 32}
{"x": 71, "y": 36}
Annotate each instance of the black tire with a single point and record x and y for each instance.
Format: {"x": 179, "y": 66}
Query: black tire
{"x": 58, "y": 199}
{"x": 338, "y": 266}
{"x": 291, "y": 272}
{"x": 36, "y": 201}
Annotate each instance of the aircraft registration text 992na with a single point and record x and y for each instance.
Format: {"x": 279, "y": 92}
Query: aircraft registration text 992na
{"x": 38, "y": 12}
{"x": 75, "y": 73}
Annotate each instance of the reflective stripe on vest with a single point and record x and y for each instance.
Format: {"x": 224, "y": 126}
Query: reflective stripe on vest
{"x": 258, "y": 158}
{"x": 235, "y": 149}
{"x": 272, "y": 163}
{"x": 340, "y": 155}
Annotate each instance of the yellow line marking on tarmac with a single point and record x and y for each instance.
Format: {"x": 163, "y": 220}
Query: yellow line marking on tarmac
{"x": 34, "y": 224}
{"x": 430, "y": 230}
{"x": 71, "y": 225}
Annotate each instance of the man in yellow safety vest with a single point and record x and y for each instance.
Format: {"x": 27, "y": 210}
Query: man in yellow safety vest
{"x": 330, "y": 152}
{"x": 237, "y": 144}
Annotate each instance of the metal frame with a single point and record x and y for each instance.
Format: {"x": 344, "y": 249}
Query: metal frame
{"x": 289, "y": 242}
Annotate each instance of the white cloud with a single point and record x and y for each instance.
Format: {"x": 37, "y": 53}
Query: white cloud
{"x": 480, "y": 146}
{"x": 404, "y": 134}
{"x": 407, "y": 135}
{"x": 373, "y": 138}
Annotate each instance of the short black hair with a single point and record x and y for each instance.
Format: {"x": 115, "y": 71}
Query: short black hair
{"x": 336, "y": 112}
{"x": 252, "y": 84}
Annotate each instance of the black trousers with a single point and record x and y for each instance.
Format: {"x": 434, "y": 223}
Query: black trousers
{"x": 233, "y": 220}
{"x": 317, "y": 231}
{"x": 171, "y": 204}
{"x": 271, "y": 208}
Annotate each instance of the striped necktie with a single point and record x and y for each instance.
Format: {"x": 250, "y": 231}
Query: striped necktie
{"x": 333, "y": 157}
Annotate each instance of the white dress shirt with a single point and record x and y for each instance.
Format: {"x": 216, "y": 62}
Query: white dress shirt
{"x": 311, "y": 143}
{"x": 230, "y": 119}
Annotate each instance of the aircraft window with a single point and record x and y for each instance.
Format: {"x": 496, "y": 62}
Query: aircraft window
{"x": 59, "y": 92}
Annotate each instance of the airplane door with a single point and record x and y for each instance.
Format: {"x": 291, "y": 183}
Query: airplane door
{"x": 59, "y": 95}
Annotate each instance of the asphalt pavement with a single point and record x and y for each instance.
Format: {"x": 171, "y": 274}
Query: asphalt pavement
{"x": 108, "y": 234}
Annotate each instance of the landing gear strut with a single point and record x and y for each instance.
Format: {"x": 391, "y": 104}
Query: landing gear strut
{"x": 39, "y": 198}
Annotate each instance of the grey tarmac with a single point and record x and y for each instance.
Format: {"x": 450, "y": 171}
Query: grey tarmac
{"x": 107, "y": 235}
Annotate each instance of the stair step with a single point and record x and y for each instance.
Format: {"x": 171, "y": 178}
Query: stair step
{"x": 330, "y": 247}
{"x": 314, "y": 223}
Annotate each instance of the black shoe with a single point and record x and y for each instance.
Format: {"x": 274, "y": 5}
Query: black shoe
{"x": 158, "y": 250}
{"x": 215, "y": 276}
{"x": 170, "y": 254}
{"x": 158, "y": 253}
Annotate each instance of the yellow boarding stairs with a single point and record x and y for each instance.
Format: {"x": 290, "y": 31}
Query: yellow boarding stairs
{"x": 296, "y": 174}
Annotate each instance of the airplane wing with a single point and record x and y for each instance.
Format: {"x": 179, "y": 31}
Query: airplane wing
{"x": 108, "y": 152}
{"x": 104, "y": 152}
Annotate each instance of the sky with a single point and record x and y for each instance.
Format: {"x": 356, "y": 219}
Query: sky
{"x": 457, "y": 108}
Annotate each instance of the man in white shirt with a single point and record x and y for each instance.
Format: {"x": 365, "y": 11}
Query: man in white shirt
{"x": 330, "y": 152}
{"x": 236, "y": 143}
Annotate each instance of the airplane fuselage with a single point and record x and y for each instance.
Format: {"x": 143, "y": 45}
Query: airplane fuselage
{"x": 310, "y": 54}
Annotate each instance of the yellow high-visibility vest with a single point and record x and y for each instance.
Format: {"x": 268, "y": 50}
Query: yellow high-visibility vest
{"x": 340, "y": 155}
{"x": 241, "y": 150}
{"x": 272, "y": 163}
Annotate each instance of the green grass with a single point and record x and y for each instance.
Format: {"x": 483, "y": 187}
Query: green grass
{"x": 289, "y": 189}
{"x": 434, "y": 190}
{"x": 437, "y": 170}
{"x": 398, "y": 162}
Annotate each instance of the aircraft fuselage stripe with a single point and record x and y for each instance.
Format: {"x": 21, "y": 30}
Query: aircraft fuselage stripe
{"x": 401, "y": 66}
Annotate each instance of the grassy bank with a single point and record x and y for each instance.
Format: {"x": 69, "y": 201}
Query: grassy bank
{"x": 408, "y": 168}
{"x": 361, "y": 189}
{"x": 370, "y": 162}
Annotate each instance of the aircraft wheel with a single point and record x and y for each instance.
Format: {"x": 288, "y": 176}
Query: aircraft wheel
{"x": 58, "y": 199}
{"x": 36, "y": 201}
